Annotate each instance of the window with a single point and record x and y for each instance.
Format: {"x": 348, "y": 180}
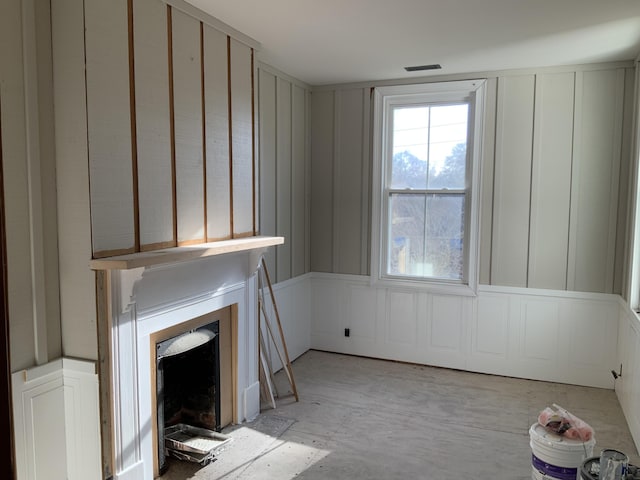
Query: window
{"x": 426, "y": 174}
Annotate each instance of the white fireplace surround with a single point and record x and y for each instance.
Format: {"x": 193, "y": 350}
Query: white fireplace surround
{"x": 151, "y": 298}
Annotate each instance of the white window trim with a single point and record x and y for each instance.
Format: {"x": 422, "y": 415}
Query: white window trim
{"x": 472, "y": 91}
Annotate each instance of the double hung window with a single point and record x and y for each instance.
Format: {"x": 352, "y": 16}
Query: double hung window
{"x": 426, "y": 172}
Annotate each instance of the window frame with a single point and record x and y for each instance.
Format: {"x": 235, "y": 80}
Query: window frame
{"x": 385, "y": 99}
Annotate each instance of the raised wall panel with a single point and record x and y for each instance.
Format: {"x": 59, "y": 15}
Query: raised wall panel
{"x": 321, "y": 241}
{"x": 109, "y": 127}
{"x": 491, "y": 329}
{"x": 540, "y": 330}
{"x": 268, "y": 153}
{"x": 401, "y": 318}
{"x": 187, "y": 95}
{"x": 155, "y": 186}
{"x": 512, "y": 182}
{"x": 348, "y": 206}
{"x": 216, "y": 97}
{"x": 242, "y": 138}
{"x": 362, "y": 313}
{"x": 283, "y": 178}
{"x": 551, "y": 181}
{"x": 298, "y": 181}
{"x": 599, "y": 107}
{"x": 446, "y": 319}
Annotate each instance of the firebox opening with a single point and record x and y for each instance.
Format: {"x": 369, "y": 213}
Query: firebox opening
{"x": 193, "y": 380}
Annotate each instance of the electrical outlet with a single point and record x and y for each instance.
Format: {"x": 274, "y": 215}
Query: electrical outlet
{"x": 347, "y": 332}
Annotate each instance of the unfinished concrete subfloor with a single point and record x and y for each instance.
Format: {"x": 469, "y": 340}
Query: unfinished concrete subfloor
{"x": 360, "y": 418}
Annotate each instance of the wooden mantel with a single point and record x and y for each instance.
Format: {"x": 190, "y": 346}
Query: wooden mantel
{"x": 181, "y": 254}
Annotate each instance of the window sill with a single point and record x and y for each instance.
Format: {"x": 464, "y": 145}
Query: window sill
{"x": 427, "y": 286}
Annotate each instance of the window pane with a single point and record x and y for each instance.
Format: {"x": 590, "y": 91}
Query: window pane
{"x": 410, "y": 147}
{"x": 429, "y": 147}
{"x": 406, "y": 234}
{"x": 448, "y": 146}
{"x": 426, "y": 235}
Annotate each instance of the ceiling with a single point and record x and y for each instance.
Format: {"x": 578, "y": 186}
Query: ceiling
{"x": 340, "y": 41}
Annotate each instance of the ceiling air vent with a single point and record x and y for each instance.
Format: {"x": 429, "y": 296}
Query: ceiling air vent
{"x": 419, "y": 68}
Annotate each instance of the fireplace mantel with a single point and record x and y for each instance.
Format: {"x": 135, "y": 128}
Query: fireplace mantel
{"x": 144, "y": 293}
{"x": 183, "y": 253}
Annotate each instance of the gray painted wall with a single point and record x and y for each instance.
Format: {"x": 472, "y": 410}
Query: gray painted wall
{"x": 554, "y": 178}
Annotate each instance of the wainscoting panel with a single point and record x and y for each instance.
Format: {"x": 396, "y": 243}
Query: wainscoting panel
{"x": 628, "y": 385}
{"x": 56, "y": 421}
{"x": 551, "y": 335}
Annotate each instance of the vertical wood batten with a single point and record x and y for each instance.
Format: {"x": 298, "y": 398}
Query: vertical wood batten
{"x": 218, "y": 177}
{"x": 253, "y": 145}
{"x": 188, "y": 129}
{"x": 230, "y": 117}
{"x": 153, "y": 120}
{"x": 134, "y": 135}
{"x": 172, "y": 123}
{"x": 204, "y": 132}
{"x": 109, "y": 127}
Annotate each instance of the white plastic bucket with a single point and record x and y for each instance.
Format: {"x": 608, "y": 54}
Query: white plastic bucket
{"x": 554, "y": 457}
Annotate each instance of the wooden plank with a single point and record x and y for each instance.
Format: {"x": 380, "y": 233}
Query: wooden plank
{"x": 512, "y": 184}
{"x": 155, "y": 192}
{"x": 241, "y": 71}
{"x": 268, "y": 153}
{"x": 183, "y": 253}
{"x": 283, "y": 178}
{"x": 216, "y": 96}
{"x": 298, "y": 184}
{"x": 187, "y": 91}
{"x": 109, "y": 126}
{"x": 597, "y": 148}
{"x": 551, "y": 181}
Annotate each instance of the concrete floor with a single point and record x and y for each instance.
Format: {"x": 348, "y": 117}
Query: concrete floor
{"x": 373, "y": 419}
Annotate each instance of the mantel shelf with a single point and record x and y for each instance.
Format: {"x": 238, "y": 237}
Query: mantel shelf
{"x": 184, "y": 253}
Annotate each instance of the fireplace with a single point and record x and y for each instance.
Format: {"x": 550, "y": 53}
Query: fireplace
{"x": 145, "y": 299}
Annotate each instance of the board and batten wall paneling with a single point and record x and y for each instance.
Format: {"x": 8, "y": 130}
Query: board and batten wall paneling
{"x": 77, "y": 282}
{"x": 486, "y": 191}
{"x": 242, "y": 139}
{"x": 216, "y": 98}
{"x": 322, "y": 148}
{"x": 512, "y": 180}
{"x": 597, "y": 149}
{"x": 283, "y": 178}
{"x": 109, "y": 127}
{"x": 153, "y": 129}
{"x": 268, "y": 154}
{"x": 187, "y": 95}
{"x": 15, "y": 185}
{"x": 551, "y": 181}
{"x": 348, "y": 208}
{"x": 299, "y": 211}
